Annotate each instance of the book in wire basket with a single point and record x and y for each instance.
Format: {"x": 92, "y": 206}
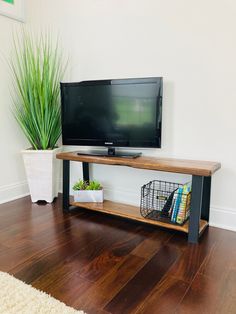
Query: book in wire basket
{"x": 166, "y": 201}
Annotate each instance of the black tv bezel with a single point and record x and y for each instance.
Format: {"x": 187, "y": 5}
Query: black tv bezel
{"x": 109, "y": 143}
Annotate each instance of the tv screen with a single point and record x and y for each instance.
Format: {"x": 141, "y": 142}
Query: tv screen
{"x": 118, "y": 113}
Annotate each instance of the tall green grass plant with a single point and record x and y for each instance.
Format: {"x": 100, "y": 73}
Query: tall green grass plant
{"x": 37, "y": 66}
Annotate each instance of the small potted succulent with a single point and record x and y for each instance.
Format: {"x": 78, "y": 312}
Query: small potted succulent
{"x": 87, "y": 192}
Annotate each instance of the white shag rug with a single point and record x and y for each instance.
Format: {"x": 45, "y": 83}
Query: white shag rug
{"x": 18, "y": 297}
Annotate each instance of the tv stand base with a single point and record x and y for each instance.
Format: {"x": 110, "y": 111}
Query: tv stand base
{"x": 201, "y": 172}
{"x": 111, "y": 152}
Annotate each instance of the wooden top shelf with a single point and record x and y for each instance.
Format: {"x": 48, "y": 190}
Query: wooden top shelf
{"x": 192, "y": 167}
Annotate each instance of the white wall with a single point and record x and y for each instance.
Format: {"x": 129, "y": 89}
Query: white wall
{"x": 192, "y": 45}
{"x": 12, "y": 176}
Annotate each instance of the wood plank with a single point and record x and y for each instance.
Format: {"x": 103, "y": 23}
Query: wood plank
{"x": 73, "y": 250}
{"x": 151, "y": 245}
{"x": 193, "y": 257}
{"x": 104, "y": 290}
{"x": 140, "y": 286}
{"x": 165, "y": 297}
{"x": 133, "y": 212}
{"x": 116, "y": 252}
{"x": 193, "y": 167}
{"x": 210, "y": 296}
{"x": 40, "y": 251}
{"x": 226, "y": 246}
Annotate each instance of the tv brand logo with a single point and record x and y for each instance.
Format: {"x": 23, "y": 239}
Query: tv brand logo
{"x": 108, "y": 143}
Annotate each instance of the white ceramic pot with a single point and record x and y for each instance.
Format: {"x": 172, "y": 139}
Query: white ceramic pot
{"x": 84, "y": 196}
{"x": 43, "y": 173}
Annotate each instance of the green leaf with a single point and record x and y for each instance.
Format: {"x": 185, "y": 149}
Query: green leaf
{"x": 84, "y": 185}
{"x": 37, "y": 69}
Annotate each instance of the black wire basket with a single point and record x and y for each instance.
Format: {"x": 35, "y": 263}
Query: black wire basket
{"x": 166, "y": 201}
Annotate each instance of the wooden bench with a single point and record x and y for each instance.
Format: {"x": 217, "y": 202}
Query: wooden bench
{"x": 201, "y": 172}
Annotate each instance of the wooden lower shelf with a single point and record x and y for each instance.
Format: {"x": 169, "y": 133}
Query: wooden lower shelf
{"x": 133, "y": 212}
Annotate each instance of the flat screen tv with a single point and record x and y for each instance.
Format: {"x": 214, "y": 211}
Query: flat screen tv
{"x": 112, "y": 113}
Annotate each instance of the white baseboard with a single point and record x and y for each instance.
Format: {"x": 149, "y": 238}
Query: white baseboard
{"x": 224, "y": 218}
{"x": 14, "y": 191}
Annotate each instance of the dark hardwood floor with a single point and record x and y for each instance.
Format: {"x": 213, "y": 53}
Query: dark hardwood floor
{"x": 102, "y": 264}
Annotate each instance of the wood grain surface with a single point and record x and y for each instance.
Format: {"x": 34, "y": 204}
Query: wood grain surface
{"x": 193, "y": 167}
{"x": 105, "y": 265}
{"x": 133, "y": 212}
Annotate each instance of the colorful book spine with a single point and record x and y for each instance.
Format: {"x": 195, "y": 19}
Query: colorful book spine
{"x": 183, "y": 204}
{"x": 177, "y": 204}
{"x": 173, "y": 205}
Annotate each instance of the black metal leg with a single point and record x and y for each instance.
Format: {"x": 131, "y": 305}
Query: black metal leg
{"x": 206, "y": 198}
{"x": 85, "y": 166}
{"x": 196, "y": 207}
{"x": 66, "y": 185}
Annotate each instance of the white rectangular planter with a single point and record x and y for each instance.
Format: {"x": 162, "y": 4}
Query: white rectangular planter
{"x": 84, "y": 196}
{"x": 43, "y": 173}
